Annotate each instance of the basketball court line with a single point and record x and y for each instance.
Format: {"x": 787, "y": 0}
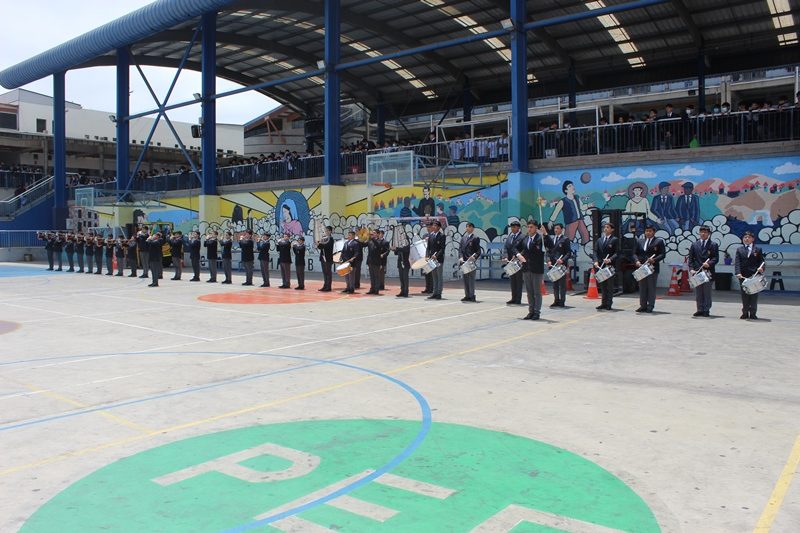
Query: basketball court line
{"x": 106, "y": 313}
{"x": 775, "y": 501}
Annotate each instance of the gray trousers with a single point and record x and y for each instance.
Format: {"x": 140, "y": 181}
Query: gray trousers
{"x": 327, "y": 274}
{"x": 350, "y": 280}
{"x": 749, "y": 302}
{"x": 132, "y": 263}
{"x": 212, "y": 268}
{"x": 374, "y": 278}
{"x": 145, "y": 259}
{"x": 702, "y": 296}
{"x": 469, "y": 284}
{"x": 404, "y": 281}
{"x": 647, "y": 291}
{"x": 155, "y": 270}
{"x": 560, "y": 290}
{"x": 120, "y": 265}
{"x": 533, "y": 286}
{"x": 178, "y": 262}
{"x": 607, "y": 291}
{"x": 80, "y": 262}
{"x": 227, "y": 267}
{"x": 89, "y": 263}
{"x": 264, "y": 264}
{"x": 438, "y": 280}
{"x": 248, "y": 271}
{"x": 71, "y": 261}
{"x": 357, "y": 274}
{"x": 286, "y": 274}
{"x": 50, "y": 259}
{"x": 301, "y": 275}
{"x": 109, "y": 264}
{"x": 195, "y": 267}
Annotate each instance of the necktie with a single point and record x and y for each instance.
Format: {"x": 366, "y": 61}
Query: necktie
{"x": 748, "y": 251}
{"x": 704, "y": 244}
{"x": 529, "y": 242}
{"x": 647, "y": 244}
{"x": 604, "y": 240}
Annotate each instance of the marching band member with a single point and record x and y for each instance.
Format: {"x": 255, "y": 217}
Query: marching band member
{"x": 374, "y": 263}
{"x": 262, "y": 246}
{"x": 176, "y": 251}
{"x": 605, "y": 254}
{"x": 384, "y": 249}
{"x": 649, "y": 249}
{"x": 559, "y": 252}
{"x": 511, "y": 244}
{"x": 351, "y": 247}
{"x": 79, "y": 244}
{"x": 703, "y": 255}
{"x": 119, "y": 252}
{"x": 144, "y": 259}
{"x": 211, "y": 245}
{"x": 429, "y": 276}
{"x": 58, "y": 246}
{"x": 530, "y": 252}
{"x": 299, "y": 249}
{"x": 403, "y": 266}
{"x": 89, "y": 251}
{"x": 469, "y": 250}
{"x": 110, "y": 245}
{"x": 436, "y": 244}
{"x": 194, "y": 255}
{"x": 357, "y": 262}
{"x": 326, "y": 259}
{"x": 155, "y": 254}
{"x": 132, "y": 247}
{"x": 227, "y": 257}
{"x": 284, "y": 247}
{"x": 48, "y": 247}
{"x": 749, "y": 261}
{"x": 246, "y": 245}
{"x": 99, "y": 249}
{"x": 69, "y": 249}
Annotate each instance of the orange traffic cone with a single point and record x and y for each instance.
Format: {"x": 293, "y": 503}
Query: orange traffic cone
{"x": 543, "y": 288}
{"x": 591, "y": 292}
{"x": 685, "y": 276}
{"x": 674, "y": 288}
{"x": 569, "y": 280}
{"x": 114, "y": 263}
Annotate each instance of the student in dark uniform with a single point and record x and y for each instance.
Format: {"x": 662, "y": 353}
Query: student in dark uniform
{"x": 89, "y": 252}
{"x": 155, "y": 254}
{"x": 119, "y": 252}
{"x": 58, "y": 247}
{"x": 349, "y": 252}
{"x": 559, "y": 252}
{"x": 606, "y": 252}
{"x": 227, "y": 257}
{"x": 284, "y": 248}
{"x": 110, "y": 247}
{"x": 436, "y": 244}
{"x": 299, "y": 249}
{"x": 374, "y": 263}
{"x": 703, "y": 255}
{"x": 99, "y": 253}
{"x": 403, "y": 265}
{"x": 429, "y": 276}
{"x": 469, "y": 250}
{"x": 246, "y": 245}
{"x": 263, "y": 246}
{"x": 326, "y": 259}
{"x": 194, "y": 255}
{"x": 357, "y": 262}
{"x": 384, "y": 248}
{"x": 144, "y": 259}
{"x": 511, "y": 251}
{"x": 79, "y": 244}
{"x": 48, "y": 248}
{"x": 133, "y": 246}
{"x": 176, "y": 252}
{"x": 69, "y": 249}
{"x": 211, "y": 245}
{"x": 748, "y": 262}
{"x": 653, "y": 250}
{"x": 530, "y": 251}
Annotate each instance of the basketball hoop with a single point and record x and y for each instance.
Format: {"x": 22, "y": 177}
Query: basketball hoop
{"x": 383, "y": 184}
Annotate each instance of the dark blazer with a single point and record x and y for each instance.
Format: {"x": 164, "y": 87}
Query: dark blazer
{"x": 686, "y": 210}
{"x": 511, "y": 245}
{"x": 747, "y": 266}
{"x": 470, "y": 245}
{"x": 663, "y": 207}
{"x": 562, "y": 248}
{"x": 263, "y": 250}
{"x": 110, "y": 250}
{"x": 132, "y": 245}
{"x": 350, "y": 250}
{"x": 384, "y": 249}
{"x": 657, "y": 247}
{"x": 611, "y": 249}
{"x": 533, "y": 253}
{"x": 698, "y": 255}
{"x": 155, "y": 250}
{"x": 141, "y": 241}
{"x": 176, "y": 247}
{"x": 119, "y": 251}
{"x": 403, "y": 262}
{"x": 284, "y": 249}
{"x": 227, "y": 245}
{"x": 89, "y": 249}
{"x": 299, "y": 254}
{"x": 246, "y": 246}
{"x": 375, "y": 250}
{"x": 194, "y": 249}
{"x": 326, "y": 251}
{"x": 436, "y": 243}
{"x": 211, "y": 248}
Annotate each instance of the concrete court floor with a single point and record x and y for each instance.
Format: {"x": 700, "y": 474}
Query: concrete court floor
{"x": 699, "y": 417}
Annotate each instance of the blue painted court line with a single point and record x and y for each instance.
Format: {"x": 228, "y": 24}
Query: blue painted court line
{"x": 7, "y": 271}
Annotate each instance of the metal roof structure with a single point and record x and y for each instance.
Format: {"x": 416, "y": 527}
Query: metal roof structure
{"x": 260, "y": 40}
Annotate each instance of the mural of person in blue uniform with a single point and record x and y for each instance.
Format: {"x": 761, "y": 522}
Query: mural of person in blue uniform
{"x": 572, "y": 208}
{"x": 663, "y": 207}
{"x": 688, "y": 207}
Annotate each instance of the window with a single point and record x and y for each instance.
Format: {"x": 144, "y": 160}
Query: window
{"x": 8, "y": 121}
{"x": 41, "y": 125}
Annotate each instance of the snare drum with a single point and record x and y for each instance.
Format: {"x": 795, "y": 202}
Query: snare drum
{"x": 604, "y": 274}
{"x": 512, "y": 267}
{"x": 468, "y": 266}
{"x": 700, "y": 277}
{"x": 643, "y": 271}
{"x": 430, "y": 265}
{"x": 344, "y": 269}
{"x": 755, "y": 284}
{"x": 556, "y": 273}
{"x": 417, "y": 254}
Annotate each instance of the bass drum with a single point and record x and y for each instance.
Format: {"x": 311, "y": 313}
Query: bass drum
{"x": 417, "y": 254}
{"x": 338, "y": 246}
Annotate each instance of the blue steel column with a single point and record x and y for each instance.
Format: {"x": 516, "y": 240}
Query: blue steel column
{"x": 209, "y": 140}
{"x": 519, "y": 88}
{"x": 59, "y": 151}
{"x": 123, "y": 126}
{"x": 332, "y": 126}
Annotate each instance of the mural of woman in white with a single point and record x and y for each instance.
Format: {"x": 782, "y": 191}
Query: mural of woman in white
{"x": 640, "y": 205}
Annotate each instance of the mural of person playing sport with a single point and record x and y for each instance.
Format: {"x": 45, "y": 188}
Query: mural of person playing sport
{"x": 639, "y": 208}
{"x": 572, "y": 208}
{"x": 663, "y": 207}
{"x": 688, "y": 207}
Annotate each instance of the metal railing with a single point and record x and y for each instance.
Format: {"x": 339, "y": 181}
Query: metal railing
{"x": 11, "y": 179}
{"x": 22, "y": 202}
{"x": 19, "y": 239}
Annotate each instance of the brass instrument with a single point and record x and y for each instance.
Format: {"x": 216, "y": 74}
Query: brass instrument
{"x": 363, "y": 234}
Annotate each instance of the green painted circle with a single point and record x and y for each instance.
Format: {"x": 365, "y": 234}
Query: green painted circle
{"x": 481, "y": 472}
